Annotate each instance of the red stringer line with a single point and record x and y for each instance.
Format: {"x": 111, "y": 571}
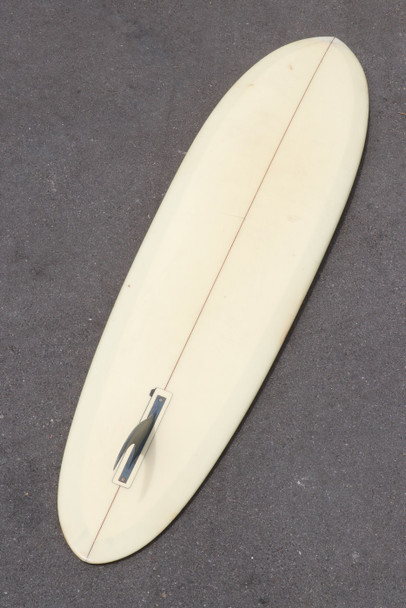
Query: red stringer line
{"x": 102, "y": 524}
{"x": 246, "y": 214}
{"x": 227, "y": 255}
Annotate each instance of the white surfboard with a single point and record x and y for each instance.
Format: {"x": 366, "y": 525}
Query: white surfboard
{"x": 212, "y": 294}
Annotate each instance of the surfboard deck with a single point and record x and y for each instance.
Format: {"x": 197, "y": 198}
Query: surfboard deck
{"x": 212, "y": 293}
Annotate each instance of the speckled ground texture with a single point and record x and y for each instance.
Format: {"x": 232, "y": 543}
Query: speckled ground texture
{"x": 99, "y": 102}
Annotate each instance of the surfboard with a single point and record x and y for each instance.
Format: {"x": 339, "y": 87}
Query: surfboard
{"x": 211, "y": 295}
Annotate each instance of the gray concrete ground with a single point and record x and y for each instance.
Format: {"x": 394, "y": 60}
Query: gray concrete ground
{"x": 99, "y": 101}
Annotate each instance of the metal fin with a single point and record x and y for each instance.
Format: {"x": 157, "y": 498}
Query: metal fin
{"x": 137, "y": 438}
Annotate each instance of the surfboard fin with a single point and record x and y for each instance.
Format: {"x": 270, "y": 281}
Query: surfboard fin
{"x": 137, "y": 438}
{"x": 140, "y": 438}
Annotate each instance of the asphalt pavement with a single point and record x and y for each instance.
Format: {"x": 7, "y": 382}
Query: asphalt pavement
{"x": 306, "y": 508}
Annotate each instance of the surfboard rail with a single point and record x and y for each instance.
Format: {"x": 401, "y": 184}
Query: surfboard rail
{"x": 234, "y": 247}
